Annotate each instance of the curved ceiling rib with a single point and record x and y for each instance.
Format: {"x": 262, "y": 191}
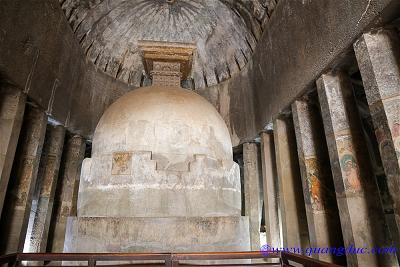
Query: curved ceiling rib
{"x": 224, "y": 31}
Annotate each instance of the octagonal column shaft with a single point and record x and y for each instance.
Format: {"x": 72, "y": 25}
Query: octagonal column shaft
{"x": 319, "y": 193}
{"x": 378, "y": 56}
{"x": 291, "y": 200}
{"x": 357, "y": 193}
{"x": 17, "y": 207}
{"x": 12, "y": 107}
{"x": 252, "y": 204}
{"x": 67, "y": 193}
{"x": 270, "y": 185}
{"x": 39, "y": 224}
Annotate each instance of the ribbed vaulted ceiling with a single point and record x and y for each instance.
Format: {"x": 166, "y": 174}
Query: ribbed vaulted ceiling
{"x": 224, "y": 31}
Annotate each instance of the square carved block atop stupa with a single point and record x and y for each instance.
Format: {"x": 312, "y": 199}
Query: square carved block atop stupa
{"x": 167, "y": 63}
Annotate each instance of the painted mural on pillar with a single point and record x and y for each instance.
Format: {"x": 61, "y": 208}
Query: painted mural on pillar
{"x": 387, "y": 141}
{"x": 316, "y": 189}
{"x": 349, "y": 166}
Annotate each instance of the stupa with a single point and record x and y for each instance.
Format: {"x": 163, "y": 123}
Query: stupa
{"x": 161, "y": 177}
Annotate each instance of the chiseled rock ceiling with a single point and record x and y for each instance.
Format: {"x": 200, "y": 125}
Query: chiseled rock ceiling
{"x": 224, "y": 31}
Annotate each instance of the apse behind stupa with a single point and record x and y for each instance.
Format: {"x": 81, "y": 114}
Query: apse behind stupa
{"x": 161, "y": 176}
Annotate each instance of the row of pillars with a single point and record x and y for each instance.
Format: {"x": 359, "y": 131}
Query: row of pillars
{"x": 319, "y": 186}
{"x": 39, "y": 175}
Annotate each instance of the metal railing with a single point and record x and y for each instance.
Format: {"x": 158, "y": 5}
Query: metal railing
{"x": 165, "y": 259}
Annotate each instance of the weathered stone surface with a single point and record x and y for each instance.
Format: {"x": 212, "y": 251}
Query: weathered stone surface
{"x": 152, "y": 234}
{"x": 252, "y": 200}
{"x": 66, "y": 193}
{"x": 40, "y": 55}
{"x": 160, "y": 152}
{"x": 378, "y": 56}
{"x": 143, "y": 189}
{"x": 196, "y": 179}
{"x": 167, "y": 63}
{"x": 39, "y": 223}
{"x": 319, "y": 193}
{"x": 163, "y": 121}
{"x": 357, "y": 194}
{"x": 48, "y": 63}
{"x": 34, "y": 54}
{"x": 17, "y": 207}
{"x": 271, "y": 190}
{"x": 225, "y": 32}
{"x": 234, "y": 101}
{"x": 12, "y": 107}
{"x": 292, "y": 208}
{"x": 301, "y": 40}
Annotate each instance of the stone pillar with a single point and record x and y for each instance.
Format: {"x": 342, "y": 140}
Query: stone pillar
{"x": 291, "y": 201}
{"x": 270, "y": 185}
{"x": 319, "y": 192}
{"x": 68, "y": 191}
{"x": 12, "y": 107}
{"x": 18, "y": 202}
{"x": 47, "y": 180}
{"x": 252, "y": 205}
{"x": 361, "y": 213}
{"x": 378, "y": 56}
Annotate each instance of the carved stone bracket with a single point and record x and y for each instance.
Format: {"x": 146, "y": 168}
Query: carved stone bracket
{"x": 167, "y": 63}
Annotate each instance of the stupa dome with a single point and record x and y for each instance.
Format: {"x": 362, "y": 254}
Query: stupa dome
{"x": 161, "y": 151}
{"x": 161, "y": 161}
{"x": 163, "y": 120}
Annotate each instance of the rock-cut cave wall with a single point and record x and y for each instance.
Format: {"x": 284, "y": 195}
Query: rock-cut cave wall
{"x": 40, "y": 55}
